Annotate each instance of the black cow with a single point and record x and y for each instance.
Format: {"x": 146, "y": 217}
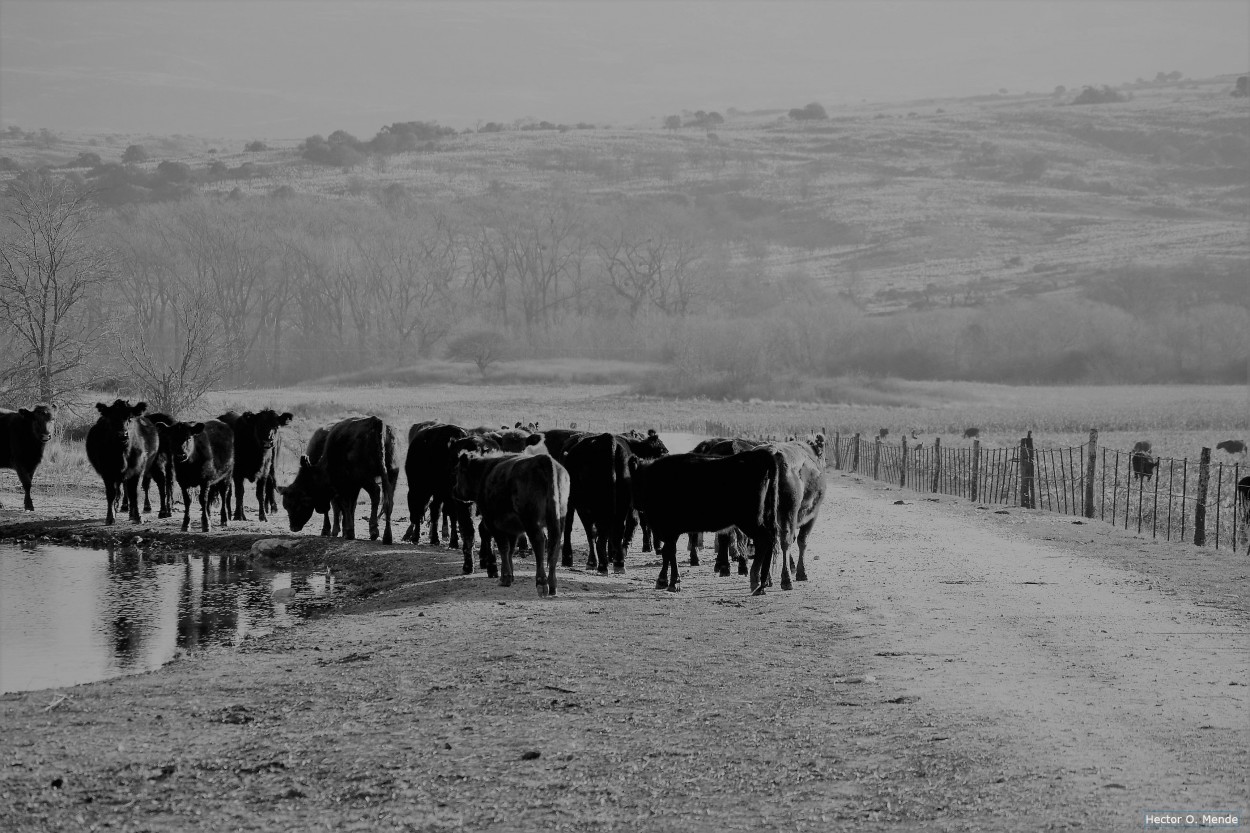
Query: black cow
{"x": 255, "y": 452}
{"x": 160, "y": 469}
{"x": 203, "y": 458}
{"x": 555, "y": 440}
{"x": 729, "y": 542}
{"x": 429, "y": 466}
{"x": 24, "y": 434}
{"x": 120, "y": 446}
{"x": 598, "y": 467}
{"x": 684, "y": 493}
{"x": 359, "y": 453}
{"x": 971, "y": 433}
{"x": 1232, "y": 447}
{"x": 1143, "y": 465}
{"x": 647, "y": 446}
{"x": 518, "y": 494}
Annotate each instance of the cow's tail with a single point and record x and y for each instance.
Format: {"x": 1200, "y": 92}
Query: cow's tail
{"x": 772, "y": 513}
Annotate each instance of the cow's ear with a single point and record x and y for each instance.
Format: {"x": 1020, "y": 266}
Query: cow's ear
{"x": 304, "y": 462}
{"x": 533, "y": 439}
{"x": 651, "y": 432}
{"x": 197, "y": 428}
{"x": 139, "y": 409}
{"x": 285, "y": 418}
{"x": 101, "y": 407}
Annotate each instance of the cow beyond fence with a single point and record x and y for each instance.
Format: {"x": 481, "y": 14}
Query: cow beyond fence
{"x": 1181, "y": 500}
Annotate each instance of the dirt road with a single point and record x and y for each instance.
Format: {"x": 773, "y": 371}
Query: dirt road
{"x": 946, "y": 668}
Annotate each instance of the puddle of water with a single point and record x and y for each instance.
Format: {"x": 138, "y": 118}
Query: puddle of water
{"x": 71, "y": 615}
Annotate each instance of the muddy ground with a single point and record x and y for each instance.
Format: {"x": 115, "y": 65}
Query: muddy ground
{"x": 947, "y": 667}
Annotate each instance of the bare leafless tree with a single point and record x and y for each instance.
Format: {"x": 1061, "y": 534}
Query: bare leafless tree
{"x": 173, "y": 371}
{"x": 50, "y": 265}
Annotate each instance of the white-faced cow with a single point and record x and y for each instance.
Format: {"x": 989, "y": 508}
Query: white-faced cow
{"x": 24, "y": 434}
{"x": 359, "y": 454}
{"x": 203, "y": 458}
{"x": 120, "y": 446}
{"x": 255, "y": 450}
{"x": 684, "y": 493}
{"x": 518, "y": 494}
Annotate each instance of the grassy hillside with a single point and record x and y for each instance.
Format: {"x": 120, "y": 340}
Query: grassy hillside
{"x": 928, "y": 202}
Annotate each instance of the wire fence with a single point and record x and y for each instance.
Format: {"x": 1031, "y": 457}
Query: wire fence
{"x": 1173, "y": 499}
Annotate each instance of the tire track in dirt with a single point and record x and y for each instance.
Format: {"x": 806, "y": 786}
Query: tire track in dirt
{"x": 1133, "y": 692}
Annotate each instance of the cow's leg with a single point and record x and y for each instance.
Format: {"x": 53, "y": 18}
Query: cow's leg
{"x": 336, "y": 512}
{"x": 631, "y": 524}
{"x": 761, "y": 567}
{"x": 186, "y": 508}
{"x": 505, "y": 543}
{"x": 238, "y": 499}
{"x": 110, "y": 498}
{"x": 346, "y": 502}
{"x": 485, "y": 555}
{"x": 372, "y": 489}
{"x": 616, "y": 545}
{"x": 693, "y": 548}
{"x": 260, "y": 497}
{"x": 463, "y": 516}
{"x": 165, "y": 492}
{"x": 539, "y": 539}
{"x": 225, "y": 511}
{"x": 591, "y": 535}
{"x": 600, "y": 545}
{"x": 785, "y": 569}
{"x": 800, "y": 572}
{"x": 646, "y": 537}
{"x": 416, "y": 514}
{"x": 326, "y": 532}
{"x": 668, "y": 561}
{"x": 435, "y": 507}
{"x": 24, "y": 475}
{"x": 131, "y": 485}
{"x": 388, "y": 506}
{"x": 271, "y": 499}
{"x": 523, "y": 545}
{"x": 566, "y": 547}
{"x": 205, "y": 491}
{"x": 449, "y": 530}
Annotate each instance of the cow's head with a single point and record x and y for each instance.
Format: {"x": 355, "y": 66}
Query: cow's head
{"x": 41, "y": 420}
{"x": 181, "y": 438}
{"x": 463, "y": 478}
{"x": 264, "y": 426}
{"x": 309, "y": 492}
{"x": 818, "y": 446}
{"x": 120, "y": 416}
{"x": 654, "y": 446}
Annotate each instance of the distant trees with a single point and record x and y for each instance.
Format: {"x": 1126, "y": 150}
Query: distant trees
{"x": 812, "y": 112}
{"x": 672, "y": 122}
{"x": 134, "y": 154}
{"x": 484, "y": 347}
{"x": 255, "y": 146}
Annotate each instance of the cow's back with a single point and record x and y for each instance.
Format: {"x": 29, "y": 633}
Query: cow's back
{"x": 523, "y": 489}
{"x": 683, "y": 493}
{"x": 359, "y": 450}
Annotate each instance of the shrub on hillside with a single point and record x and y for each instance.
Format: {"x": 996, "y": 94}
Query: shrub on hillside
{"x": 812, "y": 112}
{"x": 1105, "y": 95}
{"x": 135, "y": 154}
{"x": 255, "y": 147}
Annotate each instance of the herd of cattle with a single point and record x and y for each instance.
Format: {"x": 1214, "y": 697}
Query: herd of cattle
{"x": 524, "y": 485}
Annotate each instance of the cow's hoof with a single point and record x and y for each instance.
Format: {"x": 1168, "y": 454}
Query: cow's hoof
{"x": 800, "y": 576}
{"x": 505, "y": 581}
{"x": 646, "y": 548}
{"x": 468, "y": 568}
{"x": 567, "y": 562}
{"x": 661, "y": 584}
{"x": 186, "y": 527}
{"x": 785, "y": 585}
{"x": 619, "y": 569}
{"x": 759, "y": 591}
{"x": 387, "y": 539}
{"x": 723, "y": 572}
{"x": 603, "y": 569}
{"x": 434, "y": 542}
{"x": 203, "y": 527}
{"x": 694, "y": 561}
{"x": 491, "y": 572}
{"x": 673, "y": 588}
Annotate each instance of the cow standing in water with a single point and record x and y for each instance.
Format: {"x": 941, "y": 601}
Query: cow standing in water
{"x": 120, "y": 447}
{"x": 359, "y": 453}
{"x": 255, "y": 450}
{"x": 518, "y": 494}
{"x": 24, "y": 434}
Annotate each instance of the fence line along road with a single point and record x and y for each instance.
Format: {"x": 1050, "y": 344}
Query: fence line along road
{"x": 1175, "y": 499}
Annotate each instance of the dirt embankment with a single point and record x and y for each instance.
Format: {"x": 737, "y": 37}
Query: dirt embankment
{"x": 946, "y": 668}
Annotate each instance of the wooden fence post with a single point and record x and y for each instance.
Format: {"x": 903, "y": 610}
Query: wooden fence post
{"x": 1091, "y": 464}
{"x": 855, "y": 454}
{"x": 876, "y": 457}
{"x": 837, "y": 451}
{"x": 902, "y": 478}
{"x": 1027, "y": 497}
{"x": 976, "y": 471}
{"x": 937, "y": 462}
{"x": 1200, "y": 509}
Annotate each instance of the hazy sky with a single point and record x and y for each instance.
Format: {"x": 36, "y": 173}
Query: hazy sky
{"x": 279, "y": 69}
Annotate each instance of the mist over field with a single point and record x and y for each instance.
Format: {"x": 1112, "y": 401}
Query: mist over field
{"x": 758, "y": 202}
